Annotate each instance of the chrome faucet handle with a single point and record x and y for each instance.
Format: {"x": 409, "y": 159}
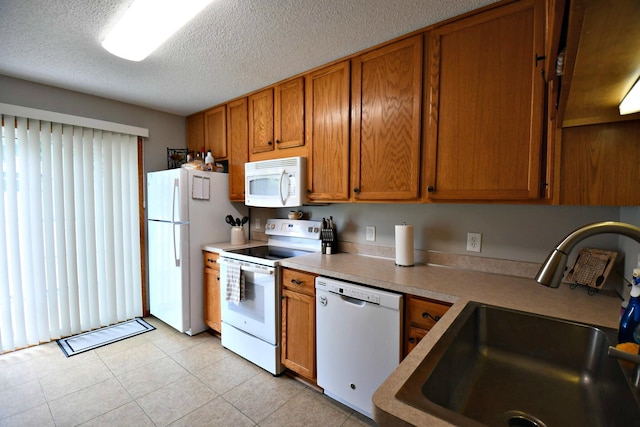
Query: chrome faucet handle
{"x": 629, "y": 357}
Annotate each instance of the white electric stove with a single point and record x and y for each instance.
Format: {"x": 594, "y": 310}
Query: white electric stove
{"x": 251, "y": 328}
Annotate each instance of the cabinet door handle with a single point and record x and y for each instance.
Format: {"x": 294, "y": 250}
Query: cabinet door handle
{"x": 356, "y": 190}
{"x": 426, "y": 315}
{"x": 296, "y": 282}
{"x": 412, "y": 340}
{"x": 218, "y": 278}
{"x": 431, "y": 189}
{"x": 210, "y": 260}
{"x": 269, "y": 143}
{"x": 277, "y": 141}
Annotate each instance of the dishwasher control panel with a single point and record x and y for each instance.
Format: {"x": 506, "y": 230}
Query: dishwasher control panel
{"x": 353, "y": 293}
{"x": 358, "y": 292}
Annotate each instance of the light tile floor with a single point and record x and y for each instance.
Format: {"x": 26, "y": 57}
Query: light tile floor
{"x": 159, "y": 378}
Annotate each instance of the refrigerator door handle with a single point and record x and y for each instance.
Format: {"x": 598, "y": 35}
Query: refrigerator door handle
{"x": 176, "y": 189}
{"x": 175, "y": 246}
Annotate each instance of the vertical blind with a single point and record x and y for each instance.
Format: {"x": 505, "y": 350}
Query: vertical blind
{"x": 69, "y": 231}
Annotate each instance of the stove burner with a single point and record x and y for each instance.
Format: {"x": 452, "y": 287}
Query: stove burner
{"x": 269, "y": 252}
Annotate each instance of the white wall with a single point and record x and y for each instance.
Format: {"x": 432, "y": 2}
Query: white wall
{"x": 165, "y": 130}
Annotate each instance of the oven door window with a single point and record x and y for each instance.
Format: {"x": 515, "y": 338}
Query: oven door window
{"x": 256, "y": 313}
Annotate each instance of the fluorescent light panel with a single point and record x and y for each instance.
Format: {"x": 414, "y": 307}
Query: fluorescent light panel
{"x": 631, "y": 102}
{"x": 149, "y": 23}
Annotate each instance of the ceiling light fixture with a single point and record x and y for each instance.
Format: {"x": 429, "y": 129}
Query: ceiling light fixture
{"x": 631, "y": 102}
{"x": 147, "y": 24}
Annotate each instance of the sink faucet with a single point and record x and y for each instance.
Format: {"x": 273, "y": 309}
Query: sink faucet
{"x": 552, "y": 270}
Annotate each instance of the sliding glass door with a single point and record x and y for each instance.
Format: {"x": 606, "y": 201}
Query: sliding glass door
{"x": 69, "y": 231}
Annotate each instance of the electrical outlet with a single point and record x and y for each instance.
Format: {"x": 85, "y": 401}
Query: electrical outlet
{"x": 371, "y": 233}
{"x": 256, "y": 224}
{"x": 474, "y": 242}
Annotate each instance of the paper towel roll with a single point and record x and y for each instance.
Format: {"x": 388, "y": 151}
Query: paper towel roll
{"x": 404, "y": 245}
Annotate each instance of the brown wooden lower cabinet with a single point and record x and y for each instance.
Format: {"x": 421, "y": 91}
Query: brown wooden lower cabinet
{"x": 420, "y": 315}
{"x": 298, "y": 351}
{"x": 212, "y": 316}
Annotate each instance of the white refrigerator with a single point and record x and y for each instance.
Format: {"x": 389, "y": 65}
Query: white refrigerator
{"x": 185, "y": 210}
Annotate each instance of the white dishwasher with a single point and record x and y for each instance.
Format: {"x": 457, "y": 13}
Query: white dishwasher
{"x": 358, "y": 340}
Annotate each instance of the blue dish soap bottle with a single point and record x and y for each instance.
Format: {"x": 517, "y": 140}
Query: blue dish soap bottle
{"x": 630, "y": 321}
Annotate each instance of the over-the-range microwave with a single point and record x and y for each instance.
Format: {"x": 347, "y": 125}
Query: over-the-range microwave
{"x": 276, "y": 183}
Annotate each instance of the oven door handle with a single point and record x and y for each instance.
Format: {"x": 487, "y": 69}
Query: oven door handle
{"x": 269, "y": 270}
{"x": 256, "y": 270}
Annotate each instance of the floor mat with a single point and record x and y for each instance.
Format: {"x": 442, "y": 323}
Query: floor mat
{"x": 109, "y": 334}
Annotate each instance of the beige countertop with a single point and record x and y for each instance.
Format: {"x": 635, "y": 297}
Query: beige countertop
{"x": 458, "y": 287}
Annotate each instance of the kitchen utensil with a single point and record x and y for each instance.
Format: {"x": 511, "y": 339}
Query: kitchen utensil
{"x": 229, "y": 220}
{"x": 244, "y": 220}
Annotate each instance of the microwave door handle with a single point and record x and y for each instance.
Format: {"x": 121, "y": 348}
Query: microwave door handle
{"x": 281, "y": 180}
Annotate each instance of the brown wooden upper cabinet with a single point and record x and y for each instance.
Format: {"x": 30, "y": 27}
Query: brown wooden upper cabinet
{"x": 485, "y": 105}
{"x": 195, "y": 132}
{"x": 386, "y": 122}
{"x": 276, "y": 119}
{"x": 327, "y": 133}
{"x": 261, "y": 121}
{"x": 238, "y": 142}
{"x": 289, "y": 114}
{"x": 215, "y": 136}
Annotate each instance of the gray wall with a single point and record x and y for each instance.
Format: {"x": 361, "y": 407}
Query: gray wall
{"x": 165, "y": 130}
{"x": 514, "y": 232}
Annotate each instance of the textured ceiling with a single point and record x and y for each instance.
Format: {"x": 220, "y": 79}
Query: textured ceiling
{"x": 232, "y": 48}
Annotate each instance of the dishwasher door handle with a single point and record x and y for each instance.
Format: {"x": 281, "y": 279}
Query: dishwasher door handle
{"x": 353, "y": 301}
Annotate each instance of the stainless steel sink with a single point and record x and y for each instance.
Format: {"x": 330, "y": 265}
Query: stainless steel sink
{"x": 502, "y": 367}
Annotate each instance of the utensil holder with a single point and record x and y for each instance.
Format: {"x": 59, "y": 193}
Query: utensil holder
{"x": 237, "y": 235}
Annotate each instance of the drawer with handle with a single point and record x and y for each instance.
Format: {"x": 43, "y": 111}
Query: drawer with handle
{"x": 210, "y": 260}
{"x": 424, "y": 313}
{"x": 298, "y": 281}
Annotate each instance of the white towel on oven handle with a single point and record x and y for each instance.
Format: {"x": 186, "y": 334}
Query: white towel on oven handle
{"x": 235, "y": 283}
